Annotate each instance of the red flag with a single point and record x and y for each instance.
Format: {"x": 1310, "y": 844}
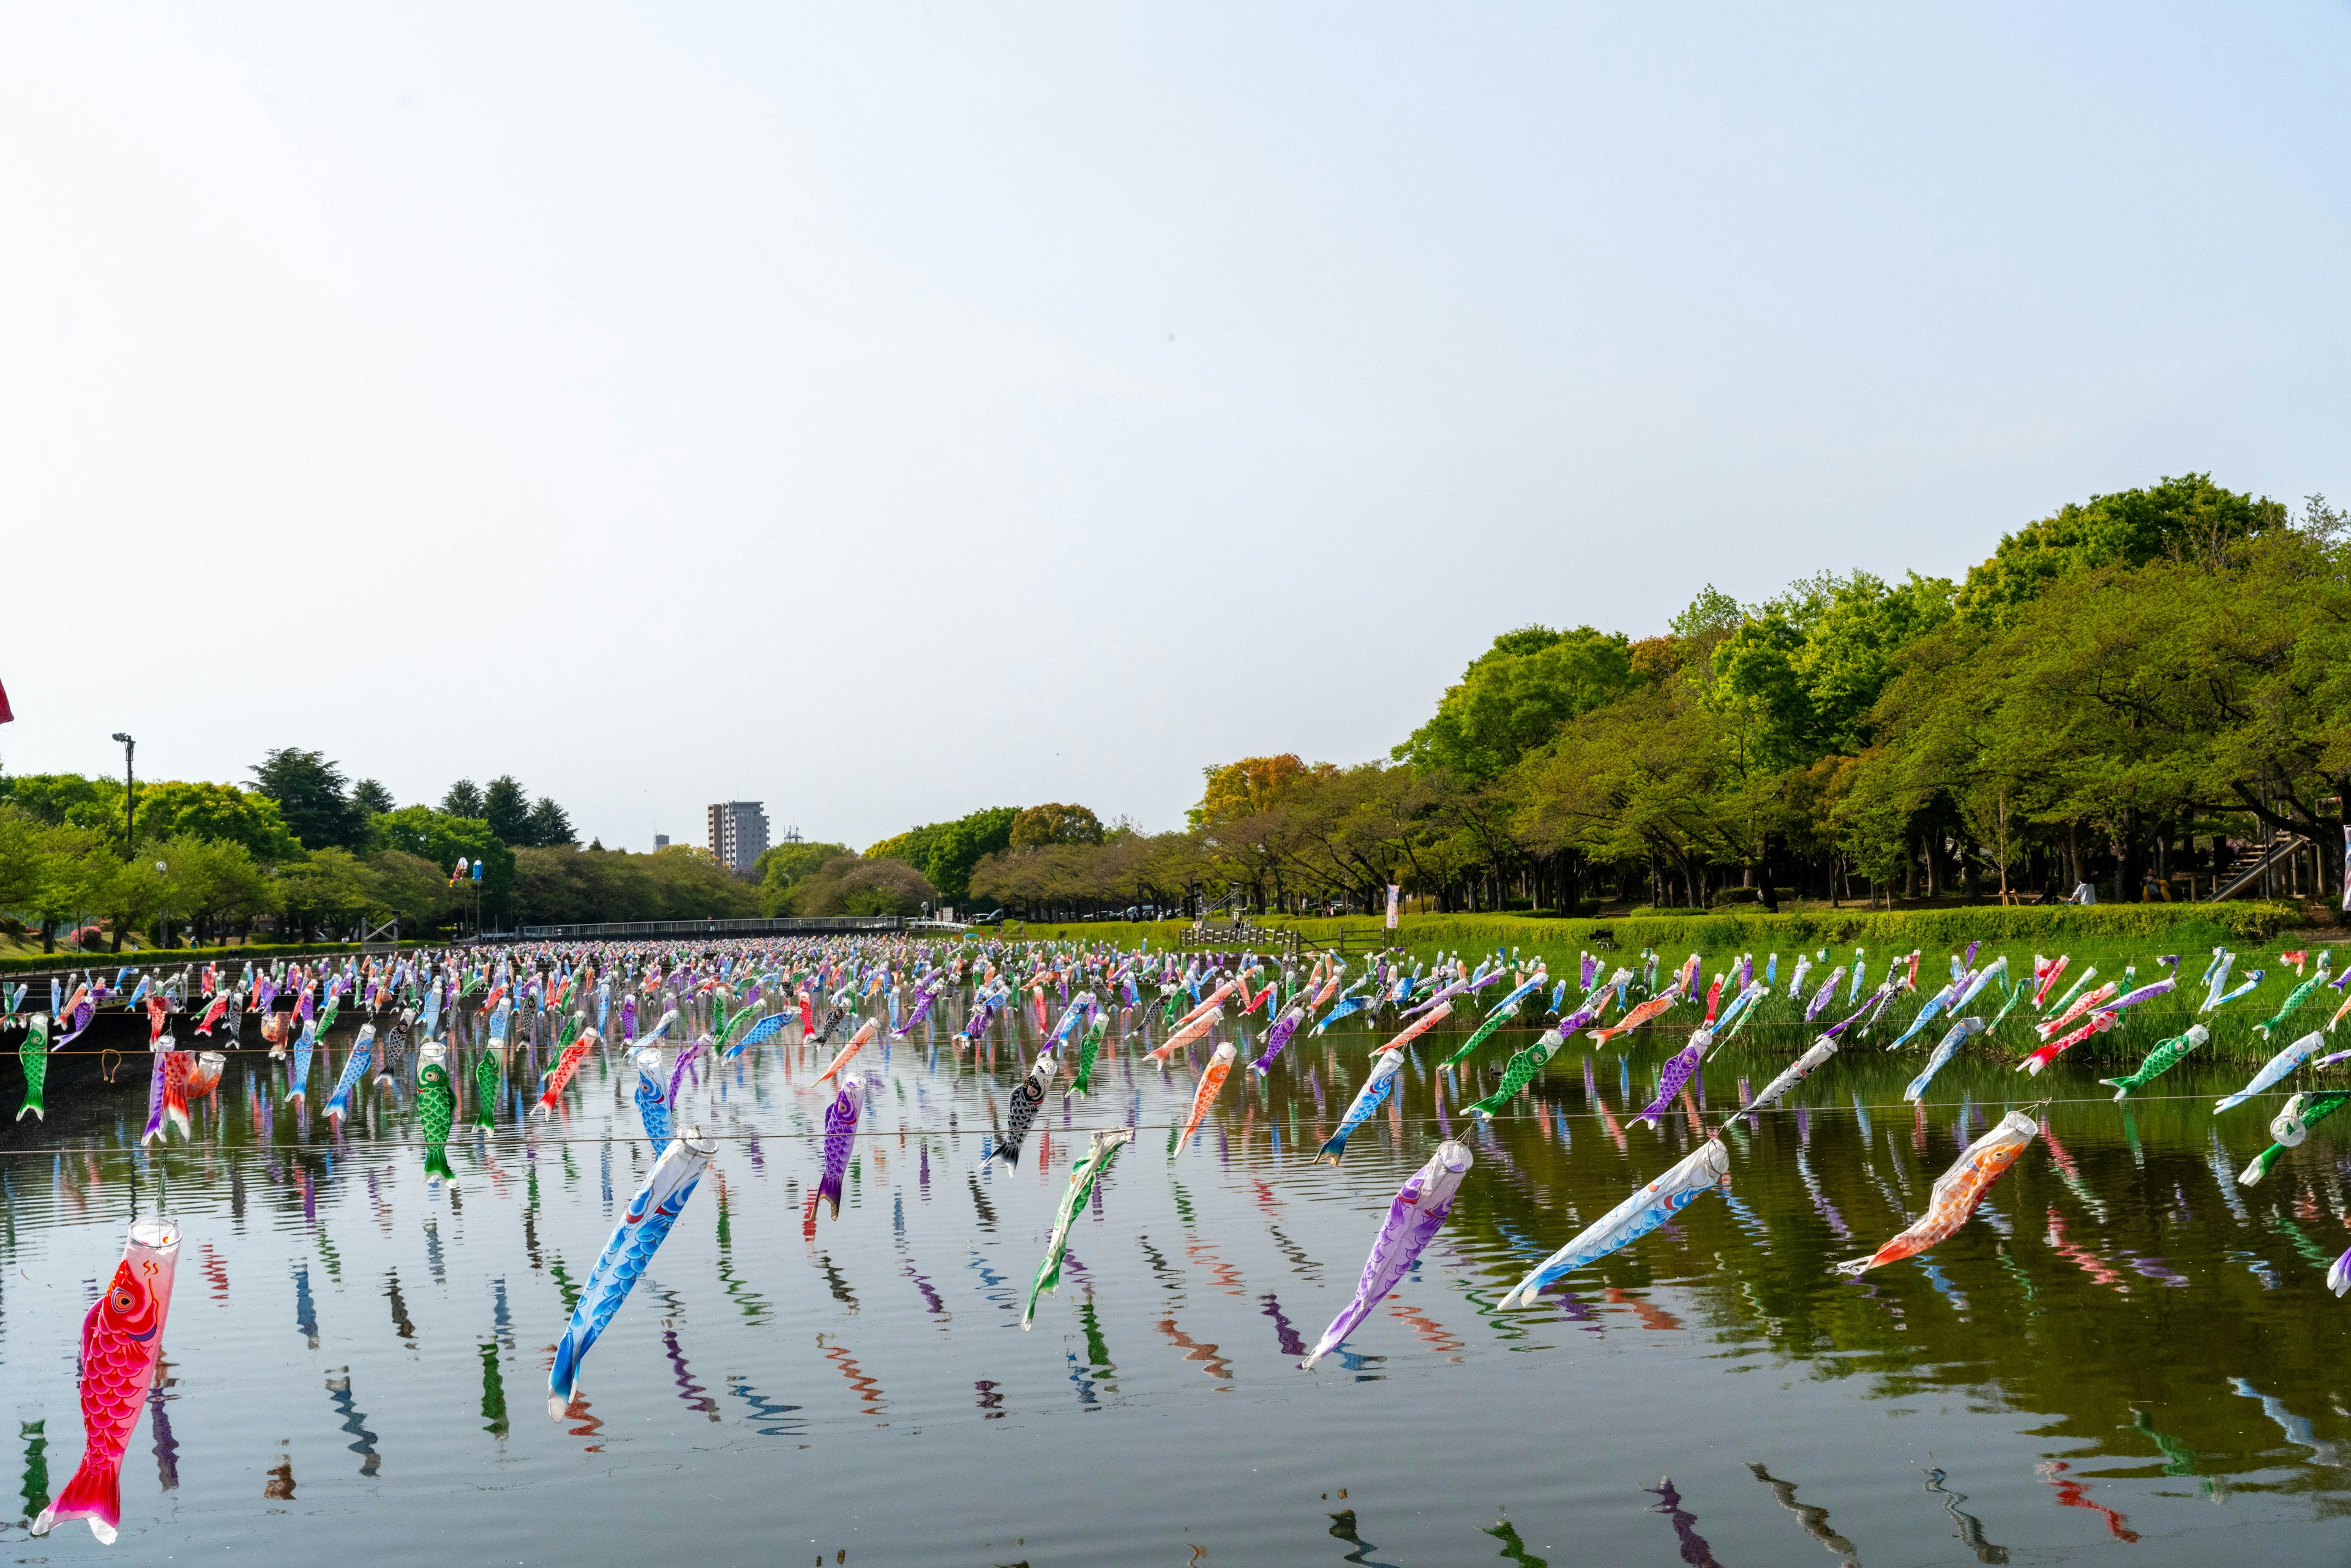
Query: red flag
{"x": 5, "y": 717}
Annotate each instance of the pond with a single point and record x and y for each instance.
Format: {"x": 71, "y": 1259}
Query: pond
{"x": 2125, "y": 1356}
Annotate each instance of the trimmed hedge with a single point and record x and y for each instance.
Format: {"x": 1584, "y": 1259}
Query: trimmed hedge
{"x": 2187, "y": 925}
{"x": 150, "y": 958}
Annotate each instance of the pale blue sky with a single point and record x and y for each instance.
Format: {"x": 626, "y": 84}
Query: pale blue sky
{"x": 657, "y": 403}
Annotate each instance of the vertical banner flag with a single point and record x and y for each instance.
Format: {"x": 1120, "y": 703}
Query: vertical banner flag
{"x": 1394, "y": 890}
{"x": 8, "y": 717}
{"x": 2346, "y": 828}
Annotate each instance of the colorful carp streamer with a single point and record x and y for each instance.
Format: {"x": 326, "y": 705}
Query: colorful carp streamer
{"x": 2292, "y": 1124}
{"x": 1376, "y": 1087}
{"x": 1679, "y": 1069}
{"x": 1955, "y": 1192}
{"x": 1523, "y": 1068}
{"x": 558, "y": 1077}
{"x": 1279, "y": 1036}
{"x": 355, "y": 1066}
{"x": 33, "y": 1056}
{"x": 1418, "y": 1027}
{"x": 1649, "y": 1010}
{"x": 644, "y": 1225}
{"x": 1504, "y": 1011}
{"x": 1083, "y": 1081}
{"x": 839, "y": 1137}
{"x": 652, "y": 1096}
{"x": 121, "y": 1343}
{"x": 1795, "y": 1073}
{"x": 2161, "y": 1060}
{"x": 2276, "y": 1068}
{"x": 1028, "y": 1095}
{"x": 1960, "y": 1033}
{"x": 436, "y": 1109}
{"x": 1415, "y": 1217}
{"x": 1697, "y": 1173}
{"x": 1085, "y": 1173}
{"x": 1212, "y": 1079}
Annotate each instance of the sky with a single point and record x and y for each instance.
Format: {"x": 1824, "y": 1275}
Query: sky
{"x": 887, "y": 411}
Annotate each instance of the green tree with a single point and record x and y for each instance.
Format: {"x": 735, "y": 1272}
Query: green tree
{"x": 48, "y": 797}
{"x": 172, "y": 810}
{"x": 1515, "y": 696}
{"x": 548, "y": 826}
{"x": 441, "y": 838}
{"x": 1055, "y": 825}
{"x": 330, "y": 887}
{"x": 311, "y": 798}
{"x": 370, "y": 795}
{"x": 211, "y": 883}
{"x": 784, "y": 867}
{"x": 961, "y": 844}
{"x": 2182, "y": 519}
{"x": 464, "y": 800}
{"x": 507, "y": 809}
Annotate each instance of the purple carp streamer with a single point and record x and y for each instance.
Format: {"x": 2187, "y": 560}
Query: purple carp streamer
{"x": 1416, "y": 1215}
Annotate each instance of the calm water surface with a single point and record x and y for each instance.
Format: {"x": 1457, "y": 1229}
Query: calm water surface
{"x": 2125, "y": 1358}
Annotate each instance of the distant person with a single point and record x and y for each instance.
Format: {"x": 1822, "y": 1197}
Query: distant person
{"x": 2084, "y": 894}
{"x": 2152, "y": 889}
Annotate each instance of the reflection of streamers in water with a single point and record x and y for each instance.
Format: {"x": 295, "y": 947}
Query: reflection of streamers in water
{"x": 2086, "y": 1260}
{"x": 1966, "y": 1526}
{"x": 362, "y": 1443}
{"x": 167, "y": 1447}
{"x": 867, "y": 1391}
{"x": 780, "y": 1422}
{"x": 696, "y": 1397}
{"x": 1223, "y": 1273}
{"x": 1695, "y": 1551}
{"x": 1284, "y": 1334}
{"x": 1651, "y": 1316}
{"x": 591, "y": 1424}
{"x": 2077, "y": 1494}
{"x": 836, "y": 1283}
{"x": 1430, "y": 1331}
{"x": 305, "y": 1315}
{"x": 991, "y": 1400}
{"x": 402, "y": 1323}
{"x": 217, "y": 1272}
{"x": 1814, "y": 1519}
{"x": 278, "y": 1479}
{"x": 493, "y": 1391}
{"x": 1097, "y": 1349}
{"x": 1343, "y": 1525}
{"x": 1515, "y": 1550}
{"x": 931, "y": 1302}
{"x": 1212, "y": 1363}
{"x": 2298, "y": 1428}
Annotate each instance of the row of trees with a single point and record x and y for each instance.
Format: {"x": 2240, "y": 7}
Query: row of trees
{"x": 302, "y": 849}
{"x": 2126, "y": 691}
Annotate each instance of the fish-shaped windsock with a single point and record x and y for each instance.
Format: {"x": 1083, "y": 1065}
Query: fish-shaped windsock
{"x": 1504, "y": 1011}
{"x": 1955, "y": 1192}
{"x": 1420, "y": 1027}
{"x": 1795, "y": 1073}
{"x": 1185, "y": 1035}
{"x": 1649, "y": 1010}
{"x": 1826, "y": 994}
{"x": 840, "y": 1138}
{"x": 2291, "y": 1125}
{"x": 2295, "y": 998}
{"x": 2276, "y": 1068}
{"x": 865, "y": 1032}
{"x": 298, "y": 1078}
{"x": 1521, "y": 1070}
{"x": 32, "y": 1057}
{"x": 1960, "y": 1034}
{"x": 1083, "y": 1081}
{"x": 1279, "y": 1036}
{"x": 489, "y": 1073}
{"x": 121, "y": 1344}
{"x": 747, "y": 1028}
{"x": 1678, "y": 1070}
{"x": 2161, "y": 1060}
{"x": 205, "y": 1075}
{"x": 1690, "y": 1178}
{"x": 159, "y": 1055}
{"x": 214, "y": 1014}
{"x": 1417, "y": 1212}
{"x": 355, "y": 1066}
{"x": 558, "y": 1077}
{"x": 2097, "y": 1023}
{"x": 1377, "y": 1085}
{"x": 1021, "y": 1114}
{"x": 644, "y": 1225}
{"x": 1085, "y": 1173}
{"x": 1212, "y": 1079}
{"x": 652, "y": 1097}
{"x": 436, "y": 1109}
{"x": 393, "y": 1061}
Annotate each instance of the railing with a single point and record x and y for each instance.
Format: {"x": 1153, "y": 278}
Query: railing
{"x": 2249, "y": 867}
{"x": 783, "y": 925}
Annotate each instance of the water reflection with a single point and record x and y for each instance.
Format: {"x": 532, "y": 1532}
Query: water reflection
{"x": 1814, "y": 1519}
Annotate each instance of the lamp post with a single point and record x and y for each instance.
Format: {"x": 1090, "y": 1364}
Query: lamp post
{"x": 127, "y": 809}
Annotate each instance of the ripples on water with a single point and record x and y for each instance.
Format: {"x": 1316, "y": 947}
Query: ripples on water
{"x": 2126, "y": 1353}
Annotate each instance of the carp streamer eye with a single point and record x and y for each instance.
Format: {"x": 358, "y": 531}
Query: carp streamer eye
{"x": 123, "y": 1300}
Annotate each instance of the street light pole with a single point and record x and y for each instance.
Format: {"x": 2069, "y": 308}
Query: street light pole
{"x": 127, "y": 809}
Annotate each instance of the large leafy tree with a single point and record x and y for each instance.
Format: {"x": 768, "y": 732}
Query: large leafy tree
{"x": 1055, "y": 825}
{"x": 311, "y": 798}
{"x": 464, "y": 800}
{"x": 549, "y": 826}
{"x": 1515, "y": 696}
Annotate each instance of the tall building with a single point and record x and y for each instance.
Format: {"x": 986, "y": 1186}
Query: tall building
{"x": 738, "y": 832}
